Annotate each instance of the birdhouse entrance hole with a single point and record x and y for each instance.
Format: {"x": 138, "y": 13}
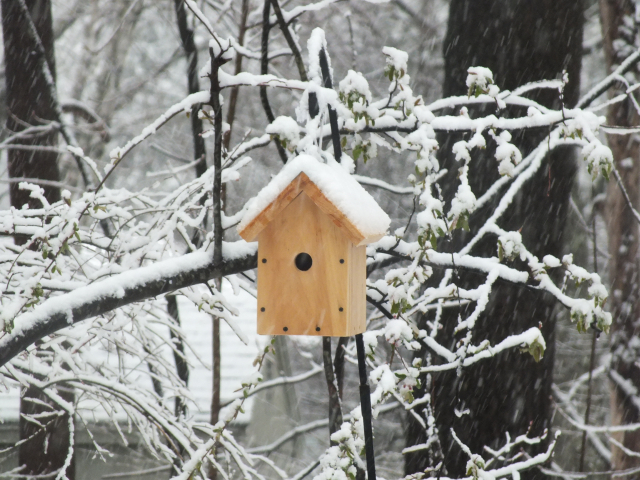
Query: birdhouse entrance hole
{"x": 303, "y": 287}
{"x": 303, "y": 261}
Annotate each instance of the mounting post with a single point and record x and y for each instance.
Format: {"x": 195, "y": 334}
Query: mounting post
{"x": 365, "y": 392}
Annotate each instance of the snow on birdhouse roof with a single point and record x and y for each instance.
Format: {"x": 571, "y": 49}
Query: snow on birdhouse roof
{"x": 331, "y": 188}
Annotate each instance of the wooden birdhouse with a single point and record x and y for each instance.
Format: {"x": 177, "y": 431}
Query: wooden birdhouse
{"x": 312, "y": 222}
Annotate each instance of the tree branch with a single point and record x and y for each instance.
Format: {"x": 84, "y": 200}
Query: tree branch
{"x": 309, "y": 427}
{"x": 277, "y": 382}
{"x": 264, "y": 68}
{"x": 117, "y": 291}
{"x": 290, "y": 41}
{"x": 625, "y": 194}
{"x": 605, "y": 84}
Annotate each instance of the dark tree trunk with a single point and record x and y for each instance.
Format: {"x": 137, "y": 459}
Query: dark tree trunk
{"x": 190, "y": 51}
{"x": 520, "y": 41}
{"x": 28, "y": 96}
{"x": 29, "y": 103}
{"x": 48, "y": 447}
{"x": 624, "y": 243}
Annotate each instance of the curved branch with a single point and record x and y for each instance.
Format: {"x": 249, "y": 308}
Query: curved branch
{"x": 308, "y": 427}
{"x": 606, "y": 83}
{"x": 625, "y": 194}
{"x": 119, "y": 290}
{"x": 277, "y": 382}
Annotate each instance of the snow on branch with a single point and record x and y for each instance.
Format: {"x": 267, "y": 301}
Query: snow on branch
{"x": 98, "y": 298}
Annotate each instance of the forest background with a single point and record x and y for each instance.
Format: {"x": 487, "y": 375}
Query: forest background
{"x": 114, "y": 68}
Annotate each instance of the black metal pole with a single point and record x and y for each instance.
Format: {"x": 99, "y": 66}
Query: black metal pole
{"x": 365, "y": 405}
{"x": 333, "y": 117}
{"x": 365, "y": 392}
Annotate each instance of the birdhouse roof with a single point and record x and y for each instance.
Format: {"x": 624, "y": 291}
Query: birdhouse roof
{"x": 330, "y": 187}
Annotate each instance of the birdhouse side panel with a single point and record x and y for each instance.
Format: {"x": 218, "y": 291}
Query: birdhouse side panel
{"x": 357, "y": 290}
{"x": 304, "y": 264}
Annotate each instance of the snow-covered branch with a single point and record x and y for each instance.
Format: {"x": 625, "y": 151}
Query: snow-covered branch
{"x": 98, "y": 298}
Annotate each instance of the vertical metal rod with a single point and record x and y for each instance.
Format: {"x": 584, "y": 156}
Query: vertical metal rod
{"x": 333, "y": 116}
{"x": 365, "y": 405}
{"x": 365, "y": 392}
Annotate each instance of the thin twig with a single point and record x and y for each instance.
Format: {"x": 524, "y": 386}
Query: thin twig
{"x": 264, "y": 69}
{"x": 625, "y": 194}
{"x": 233, "y": 97}
{"x": 290, "y": 40}
{"x": 277, "y": 382}
{"x": 309, "y": 427}
{"x": 604, "y": 85}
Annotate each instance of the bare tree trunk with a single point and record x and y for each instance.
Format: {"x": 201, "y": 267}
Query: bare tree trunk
{"x": 190, "y": 51}
{"x": 47, "y": 448}
{"x": 182, "y": 369}
{"x": 218, "y": 231}
{"x": 264, "y": 69}
{"x": 29, "y": 102}
{"x": 623, "y": 247}
{"x": 28, "y": 98}
{"x": 520, "y": 41}
{"x": 199, "y": 153}
{"x": 233, "y": 96}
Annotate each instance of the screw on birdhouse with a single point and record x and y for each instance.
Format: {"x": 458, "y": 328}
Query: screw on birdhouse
{"x": 264, "y": 260}
{"x": 317, "y": 329}
{"x": 285, "y": 328}
{"x": 303, "y": 261}
{"x": 341, "y": 309}
{"x": 262, "y": 309}
{"x": 342, "y": 260}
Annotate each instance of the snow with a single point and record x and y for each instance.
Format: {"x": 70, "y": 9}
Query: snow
{"x": 111, "y": 287}
{"x": 222, "y": 47}
{"x": 599, "y": 158}
{"x": 287, "y": 130}
{"x": 507, "y": 154}
{"x": 335, "y": 183}
{"x": 396, "y": 58}
{"x": 116, "y": 285}
{"x": 143, "y": 253}
{"x": 236, "y": 357}
{"x": 480, "y": 76}
{"x": 355, "y": 82}
{"x": 315, "y": 44}
{"x": 397, "y": 330}
{"x": 626, "y": 163}
{"x": 550, "y": 261}
{"x": 375, "y": 182}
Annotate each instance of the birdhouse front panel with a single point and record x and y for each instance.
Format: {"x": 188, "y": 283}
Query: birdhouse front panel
{"x": 311, "y": 277}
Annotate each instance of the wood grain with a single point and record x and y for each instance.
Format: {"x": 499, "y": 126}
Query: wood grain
{"x": 295, "y": 302}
